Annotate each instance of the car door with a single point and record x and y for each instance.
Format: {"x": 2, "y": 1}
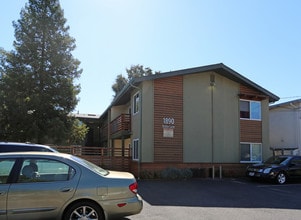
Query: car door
{"x": 6, "y": 166}
{"x": 3, "y": 199}
{"x": 295, "y": 167}
{"x": 42, "y": 189}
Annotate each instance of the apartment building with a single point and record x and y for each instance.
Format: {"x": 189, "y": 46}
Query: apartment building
{"x": 205, "y": 117}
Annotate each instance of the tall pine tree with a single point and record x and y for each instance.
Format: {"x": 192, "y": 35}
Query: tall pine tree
{"x": 37, "y": 78}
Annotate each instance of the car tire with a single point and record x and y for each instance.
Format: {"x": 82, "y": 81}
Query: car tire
{"x": 281, "y": 178}
{"x": 84, "y": 210}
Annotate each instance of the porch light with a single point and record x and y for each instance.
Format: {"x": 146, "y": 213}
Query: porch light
{"x": 212, "y": 80}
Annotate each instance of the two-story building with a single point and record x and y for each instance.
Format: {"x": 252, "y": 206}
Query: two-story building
{"x": 204, "y": 117}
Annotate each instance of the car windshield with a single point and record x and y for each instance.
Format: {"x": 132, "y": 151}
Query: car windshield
{"x": 277, "y": 160}
{"x": 91, "y": 166}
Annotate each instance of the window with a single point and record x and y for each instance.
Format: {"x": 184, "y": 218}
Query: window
{"x": 250, "y": 110}
{"x": 6, "y": 166}
{"x": 91, "y": 166}
{"x": 135, "y": 150}
{"x": 296, "y": 161}
{"x": 250, "y": 152}
{"x": 136, "y": 100}
{"x": 45, "y": 170}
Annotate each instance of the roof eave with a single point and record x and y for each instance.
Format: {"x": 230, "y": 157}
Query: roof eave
{"x": 219, "y": 68}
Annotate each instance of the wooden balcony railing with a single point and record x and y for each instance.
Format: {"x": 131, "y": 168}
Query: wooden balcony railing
{"x": 121, "y": 123}
{"x": 108, "y": 158}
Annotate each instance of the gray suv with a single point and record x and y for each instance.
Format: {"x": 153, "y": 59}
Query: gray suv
{"x": 22, "y": 147}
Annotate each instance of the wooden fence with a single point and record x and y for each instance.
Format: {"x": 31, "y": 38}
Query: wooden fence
{"x": 107, "y": 158}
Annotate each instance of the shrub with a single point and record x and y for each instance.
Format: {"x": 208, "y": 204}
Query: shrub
{"x": 146, "y": 174}
{"x": 186, "y": 174}
{"x": 175, "y": 173}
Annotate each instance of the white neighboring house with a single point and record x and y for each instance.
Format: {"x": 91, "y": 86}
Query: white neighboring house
{"x": 285, "y": 127}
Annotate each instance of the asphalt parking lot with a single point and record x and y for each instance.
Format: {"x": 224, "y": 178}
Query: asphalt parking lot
{"x": 218, "y": 199}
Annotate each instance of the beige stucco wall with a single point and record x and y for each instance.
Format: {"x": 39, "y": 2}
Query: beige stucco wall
{"x": 118, "y": 110}
{"x": 147, "y": 150}
{"x": 266, "y": 151}
{"x": 148, "y": 122}
{"x": 198, "y": 119}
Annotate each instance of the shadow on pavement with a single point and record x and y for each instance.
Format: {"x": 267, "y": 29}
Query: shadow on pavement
{"x": 220, "y": 193}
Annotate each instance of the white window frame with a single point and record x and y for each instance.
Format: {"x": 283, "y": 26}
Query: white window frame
{"x": 136, "y": 103}
{"x": 252, "y": 158}
{"x": 135, "y": 149}
{"x": 251, "y": 113}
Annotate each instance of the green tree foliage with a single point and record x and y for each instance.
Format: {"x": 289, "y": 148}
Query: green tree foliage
{"x": 78, "y": 132}
{"x": 120, "y": 82}
{"x": 134, "y": 72}
{"x": 138, "y": 71}
{"x": 37, "y": 78}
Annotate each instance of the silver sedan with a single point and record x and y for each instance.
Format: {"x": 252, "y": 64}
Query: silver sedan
{"x": 38, "y": 185}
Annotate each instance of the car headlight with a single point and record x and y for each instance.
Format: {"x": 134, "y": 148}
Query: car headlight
{"x": 267, "y": 170}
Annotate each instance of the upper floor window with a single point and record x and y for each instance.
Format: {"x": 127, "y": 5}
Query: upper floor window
{"x": 136, "y": 103}
{"x": 250, "y": 110}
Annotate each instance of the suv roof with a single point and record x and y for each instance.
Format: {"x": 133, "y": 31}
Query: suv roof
{"x": 22, "y": 147}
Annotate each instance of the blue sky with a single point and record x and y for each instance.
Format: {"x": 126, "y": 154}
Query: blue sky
{"x": 259, "y": 39}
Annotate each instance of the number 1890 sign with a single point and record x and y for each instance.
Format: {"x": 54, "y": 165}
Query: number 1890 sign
{"x": 168, "y": 121}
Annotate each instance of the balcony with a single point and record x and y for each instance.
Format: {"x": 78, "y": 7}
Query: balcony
{"x": 121, "y": 126}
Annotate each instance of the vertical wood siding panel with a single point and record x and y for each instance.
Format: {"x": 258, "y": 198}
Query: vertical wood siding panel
{"x": 168, "y": 102}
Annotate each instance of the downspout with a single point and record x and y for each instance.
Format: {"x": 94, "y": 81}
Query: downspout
{"x": 212, "y": 85}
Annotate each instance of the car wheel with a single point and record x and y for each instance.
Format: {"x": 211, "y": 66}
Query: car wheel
{"x": 281, "y": 178}
{"x": 84, "y": 210}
